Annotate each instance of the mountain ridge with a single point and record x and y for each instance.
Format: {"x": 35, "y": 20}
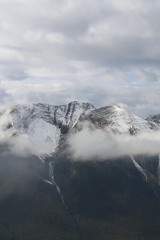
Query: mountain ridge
{"x": 45, "y": 123}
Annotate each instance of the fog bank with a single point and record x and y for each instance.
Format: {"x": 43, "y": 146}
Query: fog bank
{"x": 20, "y": 144}
{"x": 91, "y": 144}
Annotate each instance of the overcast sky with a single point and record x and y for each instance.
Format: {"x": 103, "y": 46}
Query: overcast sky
{"x": 104, "y": 52}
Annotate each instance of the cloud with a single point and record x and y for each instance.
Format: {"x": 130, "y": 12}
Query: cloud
{"x": 18, "y": 144}
{"x": 3, "y": 95}
{"x": 91, "y": 144}
{"x": 20, "y": 159}
{"x": 101, "y": 33}
{"x": 142, "y": 101}
{"x": 93, "y": 51}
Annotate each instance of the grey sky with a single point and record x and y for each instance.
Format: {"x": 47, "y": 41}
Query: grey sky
{"x": 105, "y": 52}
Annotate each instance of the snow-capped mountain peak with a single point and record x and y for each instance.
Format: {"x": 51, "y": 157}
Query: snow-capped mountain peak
{"x": 119, "y": 120}
{"x": 46, "y": 123}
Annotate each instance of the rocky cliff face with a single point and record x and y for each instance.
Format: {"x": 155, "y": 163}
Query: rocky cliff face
{"x": 154, "y": 118}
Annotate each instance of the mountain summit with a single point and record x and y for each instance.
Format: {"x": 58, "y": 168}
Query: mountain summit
{"x": 46, "y": 124}
{"x": 119, "y": 120}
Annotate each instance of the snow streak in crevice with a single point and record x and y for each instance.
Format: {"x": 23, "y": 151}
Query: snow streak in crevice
{"x": 52, "y": 180}
{"x": 140, "y": 169}
{"x": 159, "y": 171}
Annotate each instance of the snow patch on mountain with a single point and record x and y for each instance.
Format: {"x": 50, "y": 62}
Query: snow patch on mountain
{"x": 139, "y": 168}
{"x": 44, "y": 134}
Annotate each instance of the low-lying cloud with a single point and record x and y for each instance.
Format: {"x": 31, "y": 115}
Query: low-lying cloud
{"x": 90, "y": 144}
{"x": 18, "y": 144}
{"x": 20, "y": 164}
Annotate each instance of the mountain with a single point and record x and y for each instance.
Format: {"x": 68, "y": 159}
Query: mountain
{"x": 154, "y": 118}
{"x": 47, "y": 124}
{"x": 62, "y": 199}
{"x": 44, "y": 123}
{"x": 119, "y": 120}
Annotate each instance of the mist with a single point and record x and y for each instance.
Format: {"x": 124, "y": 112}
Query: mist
{"x": 18, "y": 144}
{"x": 101, "y": 144}
{"x": 18, "y": 174}
{"x": 20, "y": 165}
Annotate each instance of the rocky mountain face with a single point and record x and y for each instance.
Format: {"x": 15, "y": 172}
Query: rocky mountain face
{"x": 60, "y": 116}
{"x": 154, "y": 118}
{"x": 65, "y": 199}
{"x": 118, "y": 120}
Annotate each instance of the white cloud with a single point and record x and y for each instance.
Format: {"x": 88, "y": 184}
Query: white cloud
{"x": 101, "y": 51}
{"x": 91, "y": 144}
{"x": 11, "y": 142}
